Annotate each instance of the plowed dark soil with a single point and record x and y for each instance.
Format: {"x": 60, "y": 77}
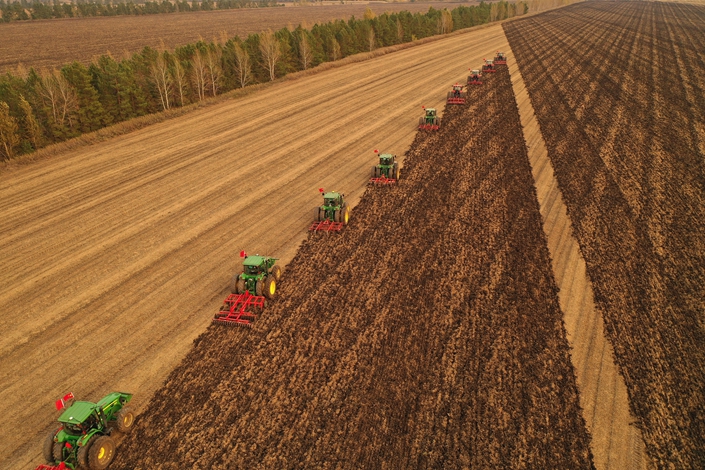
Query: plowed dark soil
{"x": 618, "y": 89}
{"x": 426, "y": 335}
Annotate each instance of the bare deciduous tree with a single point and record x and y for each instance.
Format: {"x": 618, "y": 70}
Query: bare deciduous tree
{"x": 57, "y": 94}
{"x": 243, "y": 67}
{"x": 179, "y": 75}
{"x": 445, "y": 22}
{"x": 271, "y": 52}
{"x": 215, "y": 71}
{"x": 305, "y": 51}
{"x": 198, "y": 74}
{"x": 161, "y": 76}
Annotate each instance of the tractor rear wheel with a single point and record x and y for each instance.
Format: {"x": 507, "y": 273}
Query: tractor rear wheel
{"x": 345, "y": 216}
{"x": 259, "y": 288}
{"x": 270, "y": 287}
{"x": 320, "y": 215}
{"x": 241, "y": 287}
{"x": 101, "y": 453}
{"x": 421, "y": 121}
{"x": 82, "y": 455}
{"x": 233, "y": 284}
{"x": 125, "y": 419}
{"x": 276, "y": 272}
{"x": 48, "y": 450}
{"x": 336, "y": 215}
{"x": 395, "y": 171}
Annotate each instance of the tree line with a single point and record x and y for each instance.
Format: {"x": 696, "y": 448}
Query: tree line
{"x": 38, "y": 10}
{"x": 41, "y": 107}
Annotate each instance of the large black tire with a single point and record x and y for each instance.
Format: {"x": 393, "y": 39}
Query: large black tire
{"x": 48, "y": 449}
{"x": 259, "y": 288}
{"x": 320, "y": 214}
{"x": 241, "y": 286}
{"x": 345, "y": 214}
{"x": 101, "y": 453}
{"x": 233, "y": 284}
{"x": 270, "y": 287}
{"x": 57, "y": 451}
{"x": 438, "y": 122}
{"x": 422, "y": 121}
{"x": 82, "y": 454}
{"x": 375, "y": 172}
{"x": 125, "y": 420}
{"x": 395, "y": 171}
{"x": 336, "y": 216}
{"x": 276, "y": 272}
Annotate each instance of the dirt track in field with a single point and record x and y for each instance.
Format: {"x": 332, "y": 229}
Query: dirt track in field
{"x": 53, "y": 43}
{"x": 116, "y": 255}
{"x": 618, "y": 92}
{"x": 410, "y": 340}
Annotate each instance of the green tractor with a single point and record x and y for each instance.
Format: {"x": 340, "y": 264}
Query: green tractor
{"x": 334, "y": 208}
{"x": 259, "y": 276}
{"x": 84, "y": 437}
{"x": 429, "y": 121}
{"x": 388, "y": 169}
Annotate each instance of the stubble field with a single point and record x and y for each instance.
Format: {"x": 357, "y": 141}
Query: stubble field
{"x": 618, "y": 92}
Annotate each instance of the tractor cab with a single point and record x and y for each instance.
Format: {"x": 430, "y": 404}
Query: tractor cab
{"x": 500, "y": 58}
{"x": 386, "y": 159}
{"x": 253, "y": 265}
{"x": 475, "y": 77}
{"x": 332, "y": 199}
{"x": 429, "y": 121}
{"x": 457, "y": 89}
{"x": 488, "y": 66}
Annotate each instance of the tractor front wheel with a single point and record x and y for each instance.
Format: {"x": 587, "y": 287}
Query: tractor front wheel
{"x": 48, "y": 450}
{"x": 57, "y": 451}
{"x": 101, "y": 453}
{"x": 125, "y": 419}
{"x": 233, "y": 284}
{"x": 82, "y": 455}
{"x": 270, "y": 287}
{"x": 276, "y": 272}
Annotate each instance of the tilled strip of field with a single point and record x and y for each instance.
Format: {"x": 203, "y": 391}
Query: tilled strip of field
{"x": 618, "y": 89}
{"x": 426, "y": 335}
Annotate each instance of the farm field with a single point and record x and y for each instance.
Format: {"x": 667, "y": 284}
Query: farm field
{"x": 410, "y": 340}
{"x": 618, "y": 92}
{"x": 52, "y": 43}
{"x": 116, "y": 255}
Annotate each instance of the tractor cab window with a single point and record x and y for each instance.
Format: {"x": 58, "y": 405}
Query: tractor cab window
{"x": 73, "y": 429}
{"x": 252, "y": 269}
{"x": 329, "y": 202}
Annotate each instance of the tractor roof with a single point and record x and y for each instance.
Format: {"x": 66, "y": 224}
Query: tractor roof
{"x": 331, "y": 195}
{"x": 78, "y": 412}
{"x": 254, "y": 260}
{"x": 476, "y": 71}
{"x": 386, "y": 155}
{"x": 430, "y": 110}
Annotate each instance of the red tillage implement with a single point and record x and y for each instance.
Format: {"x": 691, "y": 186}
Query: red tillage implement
{"x": 326, "y": 226}
{"x": 383, "y": 180}
{"x": 61, "y": 466}
{"x": 236, "y": 310}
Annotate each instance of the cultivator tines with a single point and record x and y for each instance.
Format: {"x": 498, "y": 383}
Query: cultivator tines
{"x": 236, "y": 310}
{"x": 326, "y": 226}
{"x": 429, "y": 127}
{"x": 61, "y": 466}
{"x": 455, "y": 99}
{"x": 382, "y": 181}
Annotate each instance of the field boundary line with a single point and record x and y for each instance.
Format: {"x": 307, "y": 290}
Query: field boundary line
{"x": 616, "y": 443}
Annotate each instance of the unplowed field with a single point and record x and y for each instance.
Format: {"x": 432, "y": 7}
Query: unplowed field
{"x": 426, "y": 335}
{"x": 115, "y": 255}
{"x": 52, "y": 43}
{"x": 618, "y": 89}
